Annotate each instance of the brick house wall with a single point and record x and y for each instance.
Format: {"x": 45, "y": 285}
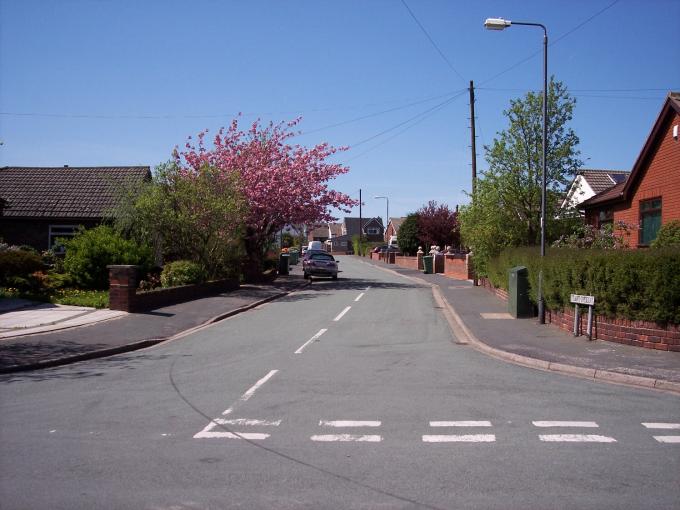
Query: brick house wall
{"x": 657, "y": 176}
{"x": 35, "y": 232}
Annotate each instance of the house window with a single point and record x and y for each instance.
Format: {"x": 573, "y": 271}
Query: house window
{"x": 57, "y": 231}
{"x": 371, "y": 231}
{"x": 605, "y": 217}
{"x": 650, "y": 220}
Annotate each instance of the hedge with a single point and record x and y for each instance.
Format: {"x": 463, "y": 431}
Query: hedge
{"x": 630, "y": 284}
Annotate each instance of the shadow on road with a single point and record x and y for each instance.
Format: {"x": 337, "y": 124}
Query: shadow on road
{"x": 324, "y": 286}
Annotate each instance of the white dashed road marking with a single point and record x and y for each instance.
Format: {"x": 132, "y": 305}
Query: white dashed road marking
{"x": 349, "y": 423}
{"x": 662, "y": 425}
{"x": 668, "y": 439}
{"x": 576, "y": 438}
{"x": 344, "y": 438}
{"x": 584, "y": 424}
{"x": 359, "y": 296}
{"x": 347, "y": 309}
{"x": 314, "y": 338}
{"x": 460, "y": 424}
{"x": 464, "y": 438}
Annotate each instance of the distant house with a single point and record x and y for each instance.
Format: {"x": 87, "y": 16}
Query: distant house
{"x": 373, "y": 230}
{"x": 393, "y": 227}
{"x": 650, "y": 197}
{"x": 42, "y": 204}
{"x": 590, "y": 182}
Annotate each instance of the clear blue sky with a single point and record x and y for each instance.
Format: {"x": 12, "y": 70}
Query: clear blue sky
{"x": 121, "y": 82}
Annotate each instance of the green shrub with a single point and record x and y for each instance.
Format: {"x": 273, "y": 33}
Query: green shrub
{"x": 632, "y": 284}
{"x": 18, "y": 264}
{"x": 669, "y": 235}
{"x": 90, "y": 251}
{"x": 181, "y": 272}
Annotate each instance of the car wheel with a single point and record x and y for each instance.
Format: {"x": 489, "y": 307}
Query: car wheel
{"x": 305, "y": 276}
{"x": 335, "y": 276}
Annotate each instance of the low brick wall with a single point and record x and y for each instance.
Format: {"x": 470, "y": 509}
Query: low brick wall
{"x": 458, "y": 266}
{"x": 623, "y": 331}
{"x": 407, "y": 262}
{"x": 123, "y": 293}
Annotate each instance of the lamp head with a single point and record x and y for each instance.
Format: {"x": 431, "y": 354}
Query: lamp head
{"x": 496, "y": 23}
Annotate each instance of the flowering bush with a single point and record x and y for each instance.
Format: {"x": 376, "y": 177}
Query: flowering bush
{"x": 587, "y": 236}
{"x": 181, "y": 272}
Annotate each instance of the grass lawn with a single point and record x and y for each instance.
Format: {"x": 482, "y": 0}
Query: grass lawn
{"x": 75, "y": 297}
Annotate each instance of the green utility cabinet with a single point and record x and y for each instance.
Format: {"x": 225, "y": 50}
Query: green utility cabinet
{"x": 283, "y": 263}
{"x": 428, "y": 263}
{"x": 519, "y": 304}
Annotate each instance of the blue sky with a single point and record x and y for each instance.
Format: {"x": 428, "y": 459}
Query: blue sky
{"x": 121, "y": 82}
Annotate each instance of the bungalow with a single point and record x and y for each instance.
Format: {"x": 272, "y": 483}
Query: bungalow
{"x": 372, "y": 230}
{"x": 590, "y": 182}
{"x": 650, "y": 197}
{"x": 41, "y": 204}
{"x": 393, "y": 227}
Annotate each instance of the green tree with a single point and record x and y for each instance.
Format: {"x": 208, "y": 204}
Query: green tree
{"x": 408, "y": 235}
{"x": 194, "y": 216}
{"x": 506, "y": 207}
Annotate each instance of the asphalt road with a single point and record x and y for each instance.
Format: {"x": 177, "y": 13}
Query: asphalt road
{"x": 348, "y": 394}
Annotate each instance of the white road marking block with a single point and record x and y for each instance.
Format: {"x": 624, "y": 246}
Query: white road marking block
{"x": 490, "y": 315}
{"x": 349, "y": 423}
{"x": 460, "y": 424}
{"x": 465, "y": 438}
{"x": 315, "y": 337}
{"x": 248, "y": 422}
{"x": 584, "y": 424}
{"x": 359, "y": 296}
{"x": 208, "y": 434}
{"x": 344, "y": 438}
{"x": 576, "y": 438}
{"x": 340, "y": 315}
{"x": 661, "y": 425}
{"x": 668, "y": 439}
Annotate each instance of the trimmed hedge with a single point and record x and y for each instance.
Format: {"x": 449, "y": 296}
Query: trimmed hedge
{"x": 630, "y": 284}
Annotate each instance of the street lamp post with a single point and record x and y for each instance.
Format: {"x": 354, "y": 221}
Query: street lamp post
{"x": 387, "y": 213}
{"x": 501, "y": 24}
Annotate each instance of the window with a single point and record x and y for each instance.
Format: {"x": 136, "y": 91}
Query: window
{"x": 57, "y": 231}
{"x": 372, "y": 231}
{"x": 605, "y": 217}
{"x": 650, "y": 220}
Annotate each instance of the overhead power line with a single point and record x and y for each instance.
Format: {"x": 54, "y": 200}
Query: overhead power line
{"x": 434, "y": 44}
{"x": 569, "y": 32}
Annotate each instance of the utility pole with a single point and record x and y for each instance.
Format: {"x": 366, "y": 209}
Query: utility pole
{"x": 361, "y": 229}
{"x": 475, "y": 281}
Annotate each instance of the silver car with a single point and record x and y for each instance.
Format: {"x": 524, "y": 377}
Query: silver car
{"x": 319, "y": 263}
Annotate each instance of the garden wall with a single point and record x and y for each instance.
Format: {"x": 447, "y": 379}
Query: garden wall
{"x": 123, "y": 293}
{"x": 638, "y": 333}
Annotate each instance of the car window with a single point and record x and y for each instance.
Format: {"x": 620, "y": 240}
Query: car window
{"x": 321, "y": 256}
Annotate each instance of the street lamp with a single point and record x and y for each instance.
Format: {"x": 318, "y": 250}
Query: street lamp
{"x": 387, "y": 214}
{"x": 501, "y": 24}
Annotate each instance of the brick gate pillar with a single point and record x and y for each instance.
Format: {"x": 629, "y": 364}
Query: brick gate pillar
{"x": 122, "y": 287}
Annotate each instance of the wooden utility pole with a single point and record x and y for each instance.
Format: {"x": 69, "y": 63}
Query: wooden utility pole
{"x": 473, "y": 144}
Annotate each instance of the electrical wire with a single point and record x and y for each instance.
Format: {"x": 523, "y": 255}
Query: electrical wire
{"x": 434, "y": 44}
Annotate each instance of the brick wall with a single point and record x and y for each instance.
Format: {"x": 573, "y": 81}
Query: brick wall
{"x": 123, "y": 294}
{"x": 407, "y": 262}
{"x": 623, "y": 331}
{"x": 458, "y": 266}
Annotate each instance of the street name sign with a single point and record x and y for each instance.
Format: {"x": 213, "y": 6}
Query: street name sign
{"x": 578, "y": 299}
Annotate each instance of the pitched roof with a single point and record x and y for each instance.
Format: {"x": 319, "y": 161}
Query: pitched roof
{"x": 352, "y": 225}
{"x": 396, "y": 222}
{"x": 64, "y": 192}
{"x": 600, "y": 180}
{"x": 623, "y": 191}
{"x": 336, "y": 229}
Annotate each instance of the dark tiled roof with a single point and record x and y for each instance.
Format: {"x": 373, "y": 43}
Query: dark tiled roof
{"x": 600, "y": 180}
{"x": 64, "y": 192}
{"x": 611, "y": 193}
{"x": 353, "y": 226}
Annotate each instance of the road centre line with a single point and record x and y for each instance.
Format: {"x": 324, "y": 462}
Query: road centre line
{"x": 252, "y": 390}
{"x": 584, "y": 424}
{"x": 668, "y": 439}
{"x": 465, "y": 438}
{"x": 349, "y": 423}
{"x": 576, "y": 438}
{"x": 359, "y": 296}
{"x": 661, "y": 425}
{"x": 206, "y": 434}
{"x": 315, "y": 337}
{"x": 344, "y": 438}
{"x": 460, "y": 424}
{"x": 347, "y": 309}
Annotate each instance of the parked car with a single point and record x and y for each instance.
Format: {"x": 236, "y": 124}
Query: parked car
{"x": 319, "y": 263}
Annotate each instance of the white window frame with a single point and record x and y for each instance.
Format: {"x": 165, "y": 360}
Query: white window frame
{"x": 52, "y": 235}
{"x": 372, "y": 231}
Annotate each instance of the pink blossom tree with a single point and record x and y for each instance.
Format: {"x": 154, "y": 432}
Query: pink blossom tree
{"x": 282, "y": 183}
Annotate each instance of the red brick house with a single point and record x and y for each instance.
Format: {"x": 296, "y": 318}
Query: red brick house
{"x": 41, "y": 204}
{"x": 650, "y": 197}
{"x": 393, "y": 227}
